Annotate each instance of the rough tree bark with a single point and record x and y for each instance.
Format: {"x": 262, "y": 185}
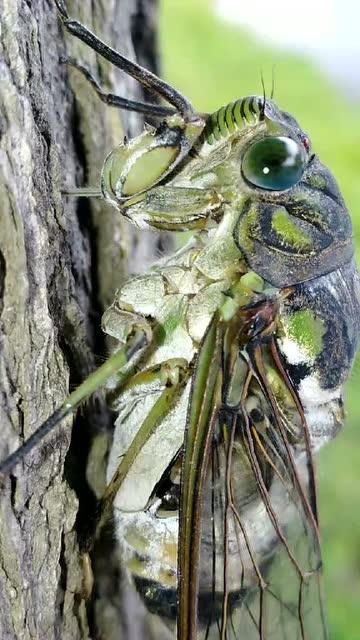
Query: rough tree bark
{"x": 60, "y": 261}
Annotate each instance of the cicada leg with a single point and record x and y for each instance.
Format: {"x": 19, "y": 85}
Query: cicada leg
{"x": 141, "y": 164}
{"x": 136, "y": 338}
{"x": 171, "y": 376}
{"x": 143, "y": 76}
{"x": 117, "y": 101}
{"x": 174, "y": 208}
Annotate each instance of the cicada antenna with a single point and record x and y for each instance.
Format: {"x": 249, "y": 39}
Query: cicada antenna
{"x": 272, "y": 81}
{"x": 145, "y": 77}
{"x": 262, "y": 108}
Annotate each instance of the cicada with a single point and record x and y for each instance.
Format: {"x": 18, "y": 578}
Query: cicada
{"x": 230, "y": 362}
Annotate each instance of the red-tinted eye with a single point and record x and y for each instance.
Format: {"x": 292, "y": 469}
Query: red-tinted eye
{"x": 306, "y": 142}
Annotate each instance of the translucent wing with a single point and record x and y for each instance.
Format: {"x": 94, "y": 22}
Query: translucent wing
{"x": 262, "y": 586}
{"x": 258, "y": 574}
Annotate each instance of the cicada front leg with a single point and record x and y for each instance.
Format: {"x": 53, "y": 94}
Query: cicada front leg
{"x": 158, "y": 388}
{"x": 139, "y": 177}
{"x": 143, "y": 76}
{"x": 155, "y": 110}
{"x": 174, "y": 208}
{"x": 165, "y": 382}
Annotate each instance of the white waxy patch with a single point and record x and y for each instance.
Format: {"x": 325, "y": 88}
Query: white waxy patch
{"x": 293, "y": 351}
{"x": 324, "y": 421}
{"x": 322, "y": 409}
{"x": 311, "y": 393}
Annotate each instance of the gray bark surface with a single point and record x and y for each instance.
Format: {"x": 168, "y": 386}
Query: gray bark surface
{"x": 61, "y": 259}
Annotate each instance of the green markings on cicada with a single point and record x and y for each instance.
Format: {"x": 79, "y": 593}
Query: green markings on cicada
{"x": 307, "y": 330}
{"x": 241, "y": 294}
{"x": 235, "y": 115}
{"x": 289, "y": 232}
{"x": 283, "y": 231}
{"x": 247, "y": 227}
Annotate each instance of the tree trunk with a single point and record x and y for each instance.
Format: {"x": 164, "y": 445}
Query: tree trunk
{"x": 61, "y": 259}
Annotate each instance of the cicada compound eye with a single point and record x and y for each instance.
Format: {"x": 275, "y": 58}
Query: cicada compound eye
{"x": 275, "y": 163}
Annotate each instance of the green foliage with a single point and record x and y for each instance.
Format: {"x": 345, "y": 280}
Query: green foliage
{"x": 213, "y": 63}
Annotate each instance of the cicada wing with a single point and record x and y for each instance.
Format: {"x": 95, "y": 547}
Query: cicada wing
{"x": 287, "y": 602}
{"x": 259, "y": 574}
{"x": 201, "y": 419}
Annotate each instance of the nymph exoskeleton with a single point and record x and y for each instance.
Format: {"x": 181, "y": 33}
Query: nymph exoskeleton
{"x": 232, "y": 356}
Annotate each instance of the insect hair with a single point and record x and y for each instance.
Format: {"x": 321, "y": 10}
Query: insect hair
{"x": 263, "y": 104}
{"x": 272, "y": 81}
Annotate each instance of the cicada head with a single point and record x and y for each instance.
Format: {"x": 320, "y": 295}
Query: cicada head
{"x": 292, "y": 222}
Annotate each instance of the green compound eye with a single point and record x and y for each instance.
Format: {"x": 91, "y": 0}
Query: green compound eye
{"x": 274, "y": 163}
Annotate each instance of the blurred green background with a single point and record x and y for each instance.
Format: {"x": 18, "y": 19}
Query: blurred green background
{"x": 213, "y": 63}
